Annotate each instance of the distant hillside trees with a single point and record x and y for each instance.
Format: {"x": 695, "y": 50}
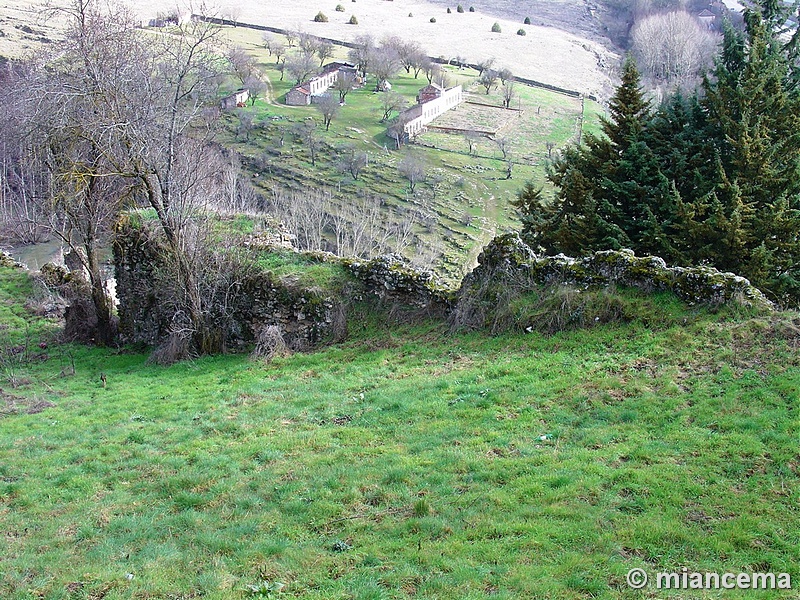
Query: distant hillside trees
{"x": 672, "y": 48}
{"x": 707, "y": 178}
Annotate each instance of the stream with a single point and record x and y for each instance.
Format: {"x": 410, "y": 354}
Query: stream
{"x": 33, "y": 256}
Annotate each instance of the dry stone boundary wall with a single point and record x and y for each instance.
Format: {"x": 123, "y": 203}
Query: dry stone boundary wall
{"x": 310, "y": 317}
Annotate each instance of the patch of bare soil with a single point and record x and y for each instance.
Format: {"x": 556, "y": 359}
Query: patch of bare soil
{"x": 11, "y": 404}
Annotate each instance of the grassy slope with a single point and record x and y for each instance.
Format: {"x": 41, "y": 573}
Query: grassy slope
{"x": 439, "y": 466}
{"x": 470, "y": 185}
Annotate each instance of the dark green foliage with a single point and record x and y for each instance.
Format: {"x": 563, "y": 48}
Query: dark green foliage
{"x": 320, "y": 18}
{"x": 433, "y": 19}
{"x": 449, "y": 11}
{"x": 521, "y": 32}
{"x": 713, "y": 180}
{"x": 496, "y": 28}
{"x": 353, "y": 20}
{"x": 527, "y": 21}
{"x": 459, "y": 9}
{"x": 471, "y": 9}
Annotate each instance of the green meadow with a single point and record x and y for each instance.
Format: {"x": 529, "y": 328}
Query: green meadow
{"x": 406, "y": 462}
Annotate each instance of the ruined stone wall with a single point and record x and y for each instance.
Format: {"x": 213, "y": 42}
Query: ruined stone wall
{"x": 508, "y": 262}
{"x": 308, "y": 317}
{"x": 393, "y": 280}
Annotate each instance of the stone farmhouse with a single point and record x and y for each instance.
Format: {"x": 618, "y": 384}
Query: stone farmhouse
{"x": 432, "y": 101}
{"x": 305, "y": 93}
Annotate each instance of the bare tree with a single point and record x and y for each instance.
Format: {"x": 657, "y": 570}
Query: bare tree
{"x": 246, "y": 123}
{"x": 137, "y": 109}
{"x": 242, "y": 64}
{"x": 485, "y": 65}
{"x": 324, "y": 52}
{"x": 433, "y": 71}
{"x": 413, "y": 169}
{"x": 504, "y": 145}
{"x": 71, "y": 120}
{"x": 306, "y": 214}
{"x": 291, "y": 37}
{"x": 300, "y": 67}
{"x": 408, "y": 53}
{"x": 509, "y": 92}
{"x": 505, "y": 75}
{"x": 472, "y": 137}
{"x": 344, "y": 84}
{"x": 361, "y": 55}
{"x": 328, "y": 106}
{"x": 257, "y": 88}
{"x": 391, "y": 101}
{"x": 278, "y": 50}
{"x": 422, "y": 62}
{"x": 268, "y": 40}
{"x": 309, "y": 44}
{"x": 353, "y": 161}
{"x": 673, "y": 47}
{"x": 308, "y": 134}
{"x": 397, "y": 130}
{"x": 384, "y": 64}
{"x": 488, "y": 79}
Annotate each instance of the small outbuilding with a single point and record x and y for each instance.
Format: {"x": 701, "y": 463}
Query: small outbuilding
{"x": 299, "y": 95}
{"x": 238, "y": 98}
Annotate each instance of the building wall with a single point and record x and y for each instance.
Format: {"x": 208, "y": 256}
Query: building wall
{"x": 432, "y": 109}
{"x": 295, "y": 97}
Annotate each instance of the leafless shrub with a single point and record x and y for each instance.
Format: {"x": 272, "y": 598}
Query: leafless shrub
{"x": 270, "y": 343}
{"x": 175, "y": 348}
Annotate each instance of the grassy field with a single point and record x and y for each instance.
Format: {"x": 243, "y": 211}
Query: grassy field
{"x": 406, "y": 462}
{"x": 465, "y": 199}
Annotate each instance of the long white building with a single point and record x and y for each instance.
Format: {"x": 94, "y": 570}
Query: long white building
{"x": 433, "y": 101}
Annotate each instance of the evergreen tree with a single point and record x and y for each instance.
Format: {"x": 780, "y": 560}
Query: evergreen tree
{"x": 753, "y": 105}
{"x": 713, "y": 180}
{"x": 610, "y": 191}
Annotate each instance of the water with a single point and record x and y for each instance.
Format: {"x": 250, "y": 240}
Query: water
{"x": 33, "y": 256}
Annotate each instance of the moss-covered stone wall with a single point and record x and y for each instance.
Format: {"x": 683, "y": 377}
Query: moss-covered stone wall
{"x": 508, "y": 261}
{"x": 310, "y": 316}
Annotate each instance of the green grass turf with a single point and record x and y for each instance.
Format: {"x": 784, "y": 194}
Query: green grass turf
{"x": 406, "y": 462}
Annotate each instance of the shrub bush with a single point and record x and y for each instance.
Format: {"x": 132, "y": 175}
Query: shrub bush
{"x": 320, "y": 18}
{"x": 449, "y": 11}
{"x": 496, "y": 28}
{"x": 433, "y": 19}
{"x": 339, "y": 8}
{"x": 353, "y": 20}
{"x": 471, "y": 9}
{"x": 521, "y": 32}
{"x": 459, "y": 9}
{"x": 527, "y": 21}
{"x": 410, "y": 14}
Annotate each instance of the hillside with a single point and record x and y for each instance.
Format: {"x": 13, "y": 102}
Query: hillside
{"x": 558, "y": 56}
{"x": 405, "y": 462}
{"x": 465, "y": 197}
